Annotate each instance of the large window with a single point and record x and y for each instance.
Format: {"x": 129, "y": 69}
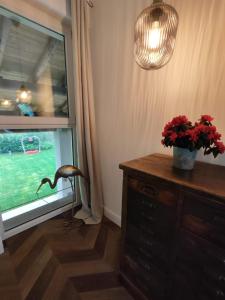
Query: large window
{"x": 36, "y": 132}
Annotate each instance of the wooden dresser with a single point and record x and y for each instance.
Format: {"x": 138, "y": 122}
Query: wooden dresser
{"x": 173, "y": 224}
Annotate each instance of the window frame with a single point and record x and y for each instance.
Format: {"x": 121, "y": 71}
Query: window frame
{"x": 20, "y": 122}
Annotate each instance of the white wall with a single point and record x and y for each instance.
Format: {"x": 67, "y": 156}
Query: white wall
{"x": 132, "y": 105}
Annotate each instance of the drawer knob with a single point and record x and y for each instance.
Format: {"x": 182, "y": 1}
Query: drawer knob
{"x": 220, "y": 293}
{"x": 149, "y": 190}
{"x": 219, "y": 220}
{"x": 144, "y": 265}
{"x": 221, "y": 278}
{"x": 147, "y": 230}
{"x": 145, "y": 252}
{"x": 147, "y": 217}
{"x": 149, "y": 204}
{"x": 146, "y": 242}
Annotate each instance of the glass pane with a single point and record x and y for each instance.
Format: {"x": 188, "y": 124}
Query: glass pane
{"x": 32, "y": 69}
{"x": 26, "y": 157}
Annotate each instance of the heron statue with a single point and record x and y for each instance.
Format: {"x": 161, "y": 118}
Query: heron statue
{"x": 67, "y": 171}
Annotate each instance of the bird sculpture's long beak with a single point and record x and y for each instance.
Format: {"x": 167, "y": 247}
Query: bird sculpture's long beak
{"x": 39, "y": 188}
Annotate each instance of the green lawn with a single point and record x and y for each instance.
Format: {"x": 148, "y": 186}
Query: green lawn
{"x": 20, "y": 176}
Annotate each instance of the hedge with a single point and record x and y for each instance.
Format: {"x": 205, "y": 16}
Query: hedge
{"x": 11, "y": 142}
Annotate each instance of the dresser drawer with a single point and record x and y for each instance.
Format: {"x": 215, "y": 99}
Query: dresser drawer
{"x": 201, "y": 253}
{"x": 156, "y": 189}
{"x": 156, "y": 221}
{"x": 202, "y": 265}
{"x": 186, "y": 288}
{"x": 147, "y": 247}
{"x": 146, "y": 277}
{"x": 204, "y": 217}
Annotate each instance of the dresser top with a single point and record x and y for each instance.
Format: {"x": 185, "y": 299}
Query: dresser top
{"x": 205, "y": 177}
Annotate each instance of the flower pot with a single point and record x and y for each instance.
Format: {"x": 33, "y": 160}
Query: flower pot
{"x": 184, "y": 158}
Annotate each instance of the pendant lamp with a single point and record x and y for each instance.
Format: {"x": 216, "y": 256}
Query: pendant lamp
{"x": 23, "y": 95}
{"x": 155, "y": 35}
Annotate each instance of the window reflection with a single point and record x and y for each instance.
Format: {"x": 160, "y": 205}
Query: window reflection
{"x": 32, "y": 69}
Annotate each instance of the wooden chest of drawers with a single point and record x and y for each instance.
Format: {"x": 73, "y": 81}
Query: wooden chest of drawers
{"x": 173, "y": 224}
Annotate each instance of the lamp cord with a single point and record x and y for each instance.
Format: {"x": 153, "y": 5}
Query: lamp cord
{"x": 157, "y": 1}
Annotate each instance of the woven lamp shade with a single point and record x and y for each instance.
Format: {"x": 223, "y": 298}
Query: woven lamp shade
{"x": 155, "y": 35}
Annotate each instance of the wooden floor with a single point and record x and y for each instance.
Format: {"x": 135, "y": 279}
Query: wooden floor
{"x": 52, "y": 261}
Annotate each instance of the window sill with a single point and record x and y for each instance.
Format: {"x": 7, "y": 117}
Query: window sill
{"x": 27, "y": 213}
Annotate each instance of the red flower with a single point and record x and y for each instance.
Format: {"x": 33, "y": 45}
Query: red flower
{"x": 180, "y": 120}
{"x": 182, "y": 134}
{"x": 206, "y": 118}
{"x": 202, "y": 128}
{"x": 214, "y": 136}
{"x": 173, "y": 137}
{"x": 167, "y": 130}
{"x": 220, "y": 146}
{"x": 217, "y": 136}
{"x": 193, "y": 133}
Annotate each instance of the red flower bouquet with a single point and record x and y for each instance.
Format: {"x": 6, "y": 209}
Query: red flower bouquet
{"x": 181, "y": 133}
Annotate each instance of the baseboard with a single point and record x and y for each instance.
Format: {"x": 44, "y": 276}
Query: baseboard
{"x": 112, "y": 216}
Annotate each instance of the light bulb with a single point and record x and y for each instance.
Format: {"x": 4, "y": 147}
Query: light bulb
{"x": 6, "y": 103}
{"x": 24, "y": 95}
{"x": 153, "y": 36}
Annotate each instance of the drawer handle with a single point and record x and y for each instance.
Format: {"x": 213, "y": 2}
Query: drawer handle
{"x": 144, "y": 265}
{"x": 148, "y": 204}
{"x": 146, "y": 242}
{"x": 211, "y": 254}
{"x": 142, "y": 285}
{"x": 219, "y": 219}
{"x": 219, "y": 293}
{"x": 145, "y": 253}
{"x": 147, "y": 217}
{"x": 221, "y": 278}
{"x": 147, "y": 230}
{"x": 149, "y": 190}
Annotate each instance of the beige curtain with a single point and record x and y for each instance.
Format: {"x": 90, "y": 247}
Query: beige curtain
{"x": 90, "y": 190}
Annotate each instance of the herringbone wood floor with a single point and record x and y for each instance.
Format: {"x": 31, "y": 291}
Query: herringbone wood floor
{"x": 54, "y": 262}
